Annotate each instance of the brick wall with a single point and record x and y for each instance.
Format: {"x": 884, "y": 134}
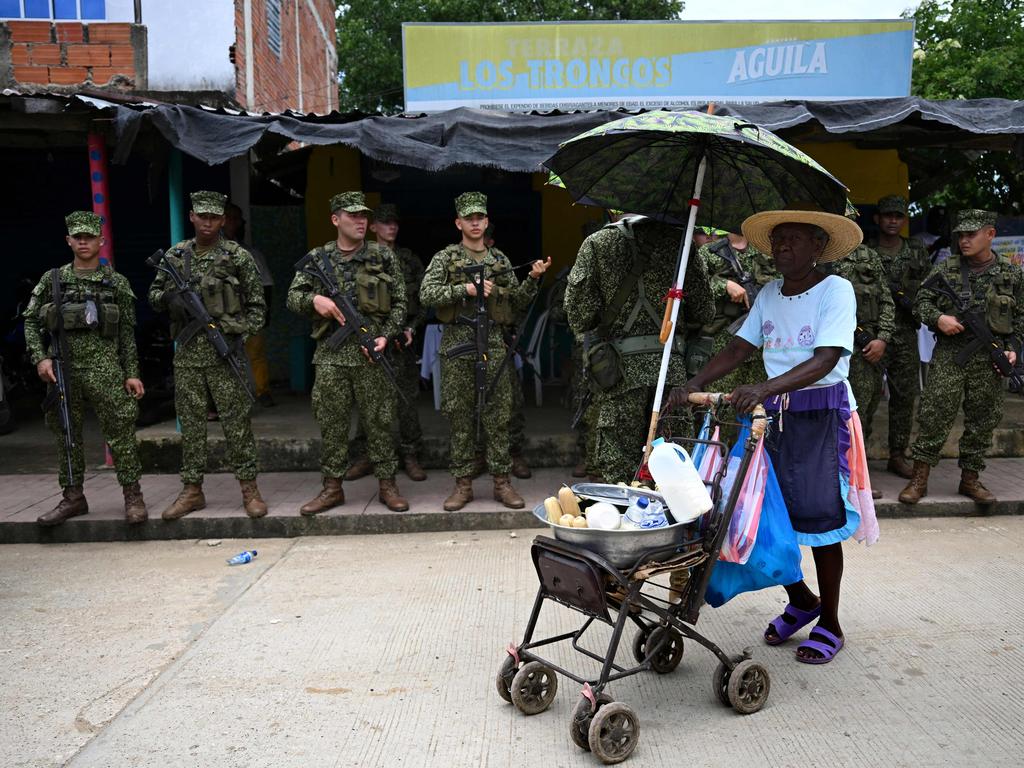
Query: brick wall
{"x": 277, "y": 82}
{"x": 70, "y": 53}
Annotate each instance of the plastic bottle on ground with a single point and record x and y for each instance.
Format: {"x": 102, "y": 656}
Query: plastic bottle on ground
{"x": 242, "y": 557}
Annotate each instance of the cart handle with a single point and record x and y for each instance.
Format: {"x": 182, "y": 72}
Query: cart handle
{"x": 758, "y": 419}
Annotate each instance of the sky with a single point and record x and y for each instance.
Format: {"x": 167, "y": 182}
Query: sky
{"x": 759, "y": 10}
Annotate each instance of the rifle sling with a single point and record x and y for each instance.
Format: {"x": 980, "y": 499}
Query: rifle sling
{"x": 631, "y": 281}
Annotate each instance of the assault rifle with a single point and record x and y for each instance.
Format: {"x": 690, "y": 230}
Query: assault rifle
{"x": 861, "y": 338}
{"x": 57, "y": 396}
{"x": 201, "y": 320}
{"x": 588, "y": 394}
{"x": 355, "y": 322}
{"x": 745, "y": 279}
{"x": 478, "y": 347}
{"x": 976, "y": 325}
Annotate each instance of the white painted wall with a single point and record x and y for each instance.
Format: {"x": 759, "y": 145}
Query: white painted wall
{"x": 188, "y": 43}
{"x": 124, "y": 10}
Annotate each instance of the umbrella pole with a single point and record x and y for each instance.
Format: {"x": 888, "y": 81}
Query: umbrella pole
{"x": 666, "y": 352}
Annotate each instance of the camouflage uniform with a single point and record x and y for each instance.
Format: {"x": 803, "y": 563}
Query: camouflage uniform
{"x": 443, "y": 288}
{"x": 998, "y": 293}
{"x": 585, "y": 433}
{"x": 100, "y": 358}
{"x": 407, "y": 370}
{"x": 875, "y": 316}
{"x": 605, "y": 261}
{"x": 345, "y": 379}
{"x": 906, "y": 267}
{"x": 715, "y": 336}
{"x": 226, "y": 277}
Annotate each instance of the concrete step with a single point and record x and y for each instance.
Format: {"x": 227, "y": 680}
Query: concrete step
{"x": 25, "y": 497}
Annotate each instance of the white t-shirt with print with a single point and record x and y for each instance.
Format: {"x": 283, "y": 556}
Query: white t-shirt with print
{"x": 789, "y": 328}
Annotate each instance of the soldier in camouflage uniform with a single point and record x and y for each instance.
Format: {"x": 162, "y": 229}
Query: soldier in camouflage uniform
{"x": 228, "y": 281}
{"x": 102, "y": 365}
{"x": 907, "y": 264}
{"x": 447, "y": 288}
{"x": 615, "y": 291}
{"x": 345, "y": 377}
{"x": 403, "y": 355}
{"x": 996, "y": 290}
{"x": 729, "y": 260}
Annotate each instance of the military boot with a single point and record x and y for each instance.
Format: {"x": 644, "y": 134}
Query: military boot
{"x": 134, "y": 505}
{"x": 191, "y": 499}
{"x": 506, "y": 494}
{"x": 520, "y": 468}
{"x": 461, "y": 496}
{"x": 389, "y": 496}
{"x": 360, "y": 468}
{"x": 254, "y": 504}
{"x": 412, "y": 468}
{"x": 331, "y": 496}
{"x": 72, "y": 504}
{"x": 899, "y": 465}
{"x": 917, "y": 488}
{"x": 970, "y": 485}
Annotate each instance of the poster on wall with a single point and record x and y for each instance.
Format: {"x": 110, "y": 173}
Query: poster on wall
{"x": 636, "y": 64}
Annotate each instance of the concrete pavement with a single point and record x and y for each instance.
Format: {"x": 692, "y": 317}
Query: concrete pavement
{"x": 382, "y": 651}
{"x": 24, "y": 497}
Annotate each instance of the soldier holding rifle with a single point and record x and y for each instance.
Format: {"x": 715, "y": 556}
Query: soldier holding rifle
{"x": 88, "y": 310}
{"x": 973, "y": 302}
{"x": 211, "y": 287}
{"x": 475, "y": 293}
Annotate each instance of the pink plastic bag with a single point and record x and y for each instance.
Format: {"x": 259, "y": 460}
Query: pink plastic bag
{"x": 710, "y": 461}
{"x": 860, "y": 484}
{"x": 742, "y": 534}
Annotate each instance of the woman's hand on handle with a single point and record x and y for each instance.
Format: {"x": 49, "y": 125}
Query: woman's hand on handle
{"x": 748, "y": 396}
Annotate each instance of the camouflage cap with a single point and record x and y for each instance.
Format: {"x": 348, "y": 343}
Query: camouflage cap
{"x": 350, "y": 202}
{"x": 83, "y": 223}
{"x": 469, "y": 203}
{"x": 851, "y": 210}
{"x": 205, "y": 201}
{"x": 974, "y": 219}
{"x": 386, "y": 212}
{"x": 892, "y": 204}
{"x": 711, "y": 231}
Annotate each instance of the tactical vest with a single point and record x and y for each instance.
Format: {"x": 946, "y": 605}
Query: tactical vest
{"x": 905, "y": 284}
{"x": 998, "y": 303}
{"x": 85, "y": 305}
{"x": 866, "y": 285}
{"x": 603, "y": 353}
{"x": 499, "y": 303}
{"x": 218, "y": 287}
{"x": 365, "y": 275}
{"x": 725, "y": 307}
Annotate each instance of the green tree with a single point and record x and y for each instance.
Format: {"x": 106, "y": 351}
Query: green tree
{"x": 370, "y": 34}
{"x": 970, "y": 49}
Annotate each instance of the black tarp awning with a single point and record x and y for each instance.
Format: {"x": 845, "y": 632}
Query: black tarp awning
{"x": 519, "y": 142}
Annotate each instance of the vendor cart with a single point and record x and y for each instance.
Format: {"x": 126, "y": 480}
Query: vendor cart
{"x": 606, "y": 575}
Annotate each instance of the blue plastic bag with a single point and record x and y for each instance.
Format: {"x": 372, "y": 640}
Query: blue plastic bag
{"x": 775, "y": 558}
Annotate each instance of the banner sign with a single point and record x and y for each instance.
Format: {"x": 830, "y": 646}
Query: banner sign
{"x": 607, "y": 65}
{"x": 1012, "y": 247}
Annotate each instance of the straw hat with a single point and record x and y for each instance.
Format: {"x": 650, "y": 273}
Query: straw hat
{"x": 843, "y": 234}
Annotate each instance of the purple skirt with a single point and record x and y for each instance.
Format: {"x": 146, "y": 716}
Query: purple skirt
{"x": 807, "y": 444}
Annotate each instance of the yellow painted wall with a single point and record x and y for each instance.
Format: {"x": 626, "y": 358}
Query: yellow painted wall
{"x": 330, "y": 170}
{"x": 869, "y": 173}
{"x": 562, "y": 223}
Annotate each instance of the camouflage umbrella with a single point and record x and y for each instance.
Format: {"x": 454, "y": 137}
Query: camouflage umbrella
{"x": 689, "y": 168}
{"x": 648, "y": 164}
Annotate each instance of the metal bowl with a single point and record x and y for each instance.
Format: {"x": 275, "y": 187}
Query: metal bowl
{"x": 621, "y": 547}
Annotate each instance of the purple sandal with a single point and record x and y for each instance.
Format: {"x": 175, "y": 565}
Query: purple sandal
{"x": 827, "y": 649}
{"x": 784, "y": 629}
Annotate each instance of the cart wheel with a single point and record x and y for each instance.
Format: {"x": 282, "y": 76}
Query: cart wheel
{"x": 640, "y": 645}
{"x": 533, "y": 688}
{"x": 671, "y": 651}
{"x": 503, "y": 680}
{"x": 720, "y": 684}
{"x": 748, "y": 686}
{"x": 614, "y": 733}
{"x": 579, "y": 724}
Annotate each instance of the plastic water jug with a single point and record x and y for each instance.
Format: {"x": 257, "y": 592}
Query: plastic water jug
{"x": 678, "y": 481}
